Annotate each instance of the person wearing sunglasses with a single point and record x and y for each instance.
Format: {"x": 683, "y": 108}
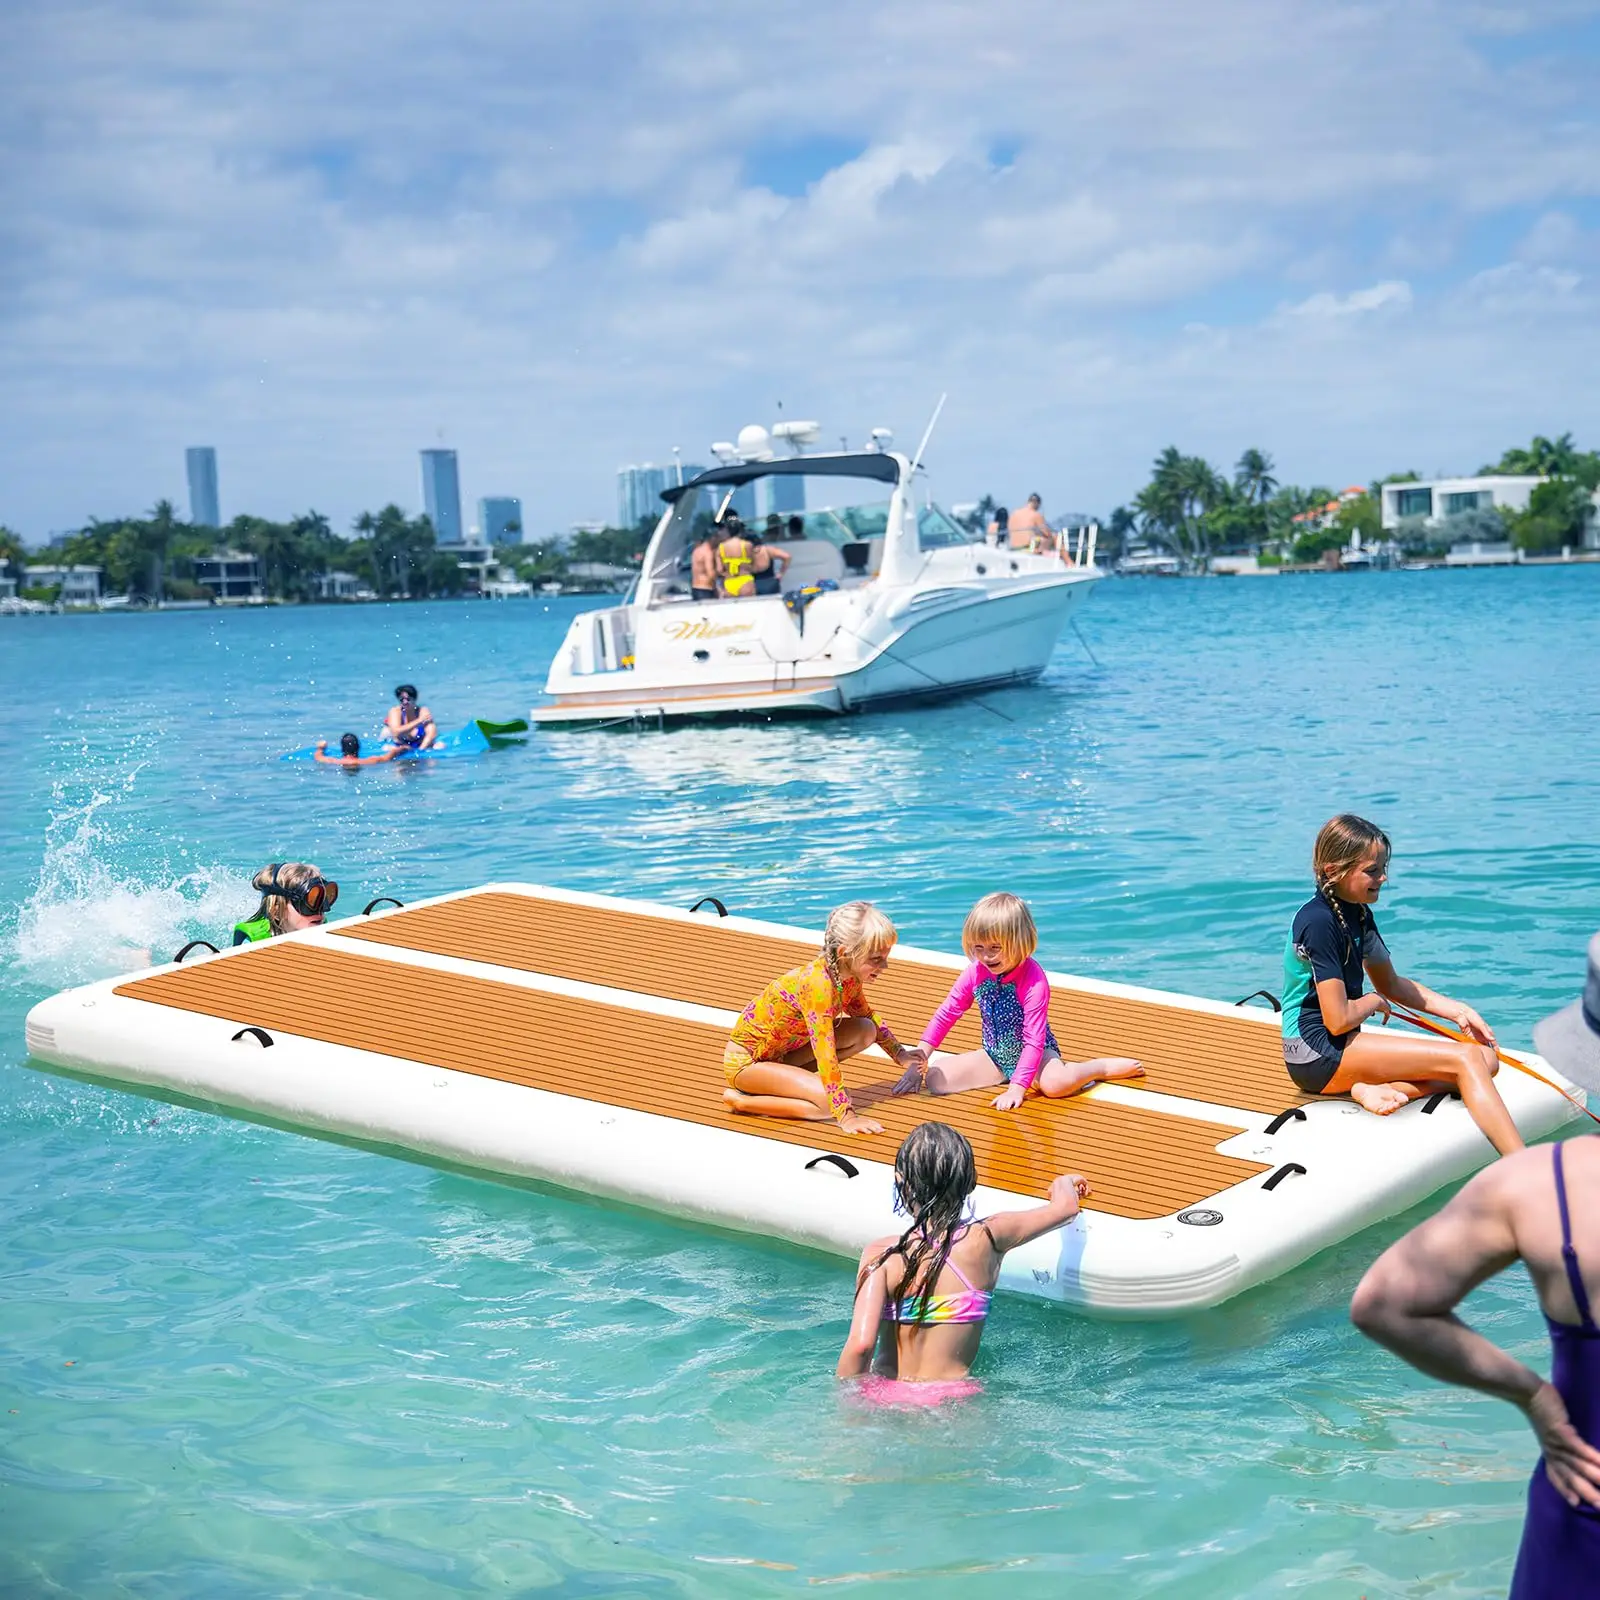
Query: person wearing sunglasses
{"x": 294, "y": 895}
{"x": 408, "y": 725}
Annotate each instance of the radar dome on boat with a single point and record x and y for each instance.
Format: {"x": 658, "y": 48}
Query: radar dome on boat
{"x": 724, "y": 451}
{"x": 880, "y": 438}
{"x": 755, "y": 444}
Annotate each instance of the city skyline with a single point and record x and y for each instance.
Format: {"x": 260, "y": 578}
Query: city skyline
{"x": 1099, "y": 235}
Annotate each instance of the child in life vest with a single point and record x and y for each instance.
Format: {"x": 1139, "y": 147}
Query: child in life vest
{"x": 1013, "y": 998}
{"x": 783, "y": 1057}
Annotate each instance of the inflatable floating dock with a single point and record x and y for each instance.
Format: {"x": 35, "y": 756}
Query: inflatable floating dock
{"x": 577, "y": 1040}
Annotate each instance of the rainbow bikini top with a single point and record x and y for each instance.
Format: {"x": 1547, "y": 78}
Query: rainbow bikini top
{"x": 970, "y": 1305}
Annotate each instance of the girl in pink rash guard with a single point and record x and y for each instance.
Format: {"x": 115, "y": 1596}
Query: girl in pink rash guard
{"x": 1013, "y": 997}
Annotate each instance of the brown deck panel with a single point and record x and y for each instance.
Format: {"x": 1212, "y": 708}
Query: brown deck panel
{"x": 1228, "y": 1061}
{"x": 1141, "y": 1163}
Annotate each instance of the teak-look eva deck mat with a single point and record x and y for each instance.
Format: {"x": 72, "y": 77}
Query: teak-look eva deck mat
{"x": 1142, "y": 1163}
{"x": 1227, "y": 1061}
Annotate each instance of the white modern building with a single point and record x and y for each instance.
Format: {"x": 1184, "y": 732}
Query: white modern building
{"x": 1439, "y": 498}
{"x": 338, "y": 585}
{"x": 79, "y": 586}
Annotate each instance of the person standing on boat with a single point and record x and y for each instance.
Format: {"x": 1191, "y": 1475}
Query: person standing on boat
{"x": 703, "y": 567}
{"x": 409, "y": 725}
{"x": 294, "y": 895}
{"x": 1542, "y": 1207}
{"x": 768, "y": 581}
{"x": 1027, "y": 527}
{"x": 735, "y": 560}
{"x": 1000, "y": 528}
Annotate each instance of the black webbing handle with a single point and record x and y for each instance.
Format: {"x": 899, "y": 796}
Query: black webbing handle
{"x": 382, "y": 900}
{"x": 1293, "y": 1114}
{"x": 266, "y": 1040}
{"x": 848, "y": 1168}
{"x": 1287, "y": 1170}
{"x": 1261, "y": 994}
{"x": 195, "y": 944}
{"x": 710, "y": 900}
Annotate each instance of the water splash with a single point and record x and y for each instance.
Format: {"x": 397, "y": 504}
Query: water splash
{"x": 91, "y": 915}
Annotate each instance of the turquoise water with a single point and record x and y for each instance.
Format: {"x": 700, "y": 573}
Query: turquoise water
{"x": 238, "y": 1361}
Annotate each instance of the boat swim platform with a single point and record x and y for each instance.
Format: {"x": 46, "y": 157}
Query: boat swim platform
{"x": 576, "y": 1040}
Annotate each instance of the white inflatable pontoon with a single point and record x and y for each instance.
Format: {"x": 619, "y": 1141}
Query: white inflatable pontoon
{"x": 577, "y": 1040}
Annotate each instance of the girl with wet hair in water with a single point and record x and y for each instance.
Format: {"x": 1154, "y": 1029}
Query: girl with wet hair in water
{"x": 922, "y": 1297}
{"x": 1333, "y": 939}
{"x": 294, "y": 895}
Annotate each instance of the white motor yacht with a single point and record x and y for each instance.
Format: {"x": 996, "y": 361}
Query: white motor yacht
{"x": 884, "y": 598}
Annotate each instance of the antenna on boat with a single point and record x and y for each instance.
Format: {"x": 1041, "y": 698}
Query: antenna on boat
{"x": 916, "y": 460}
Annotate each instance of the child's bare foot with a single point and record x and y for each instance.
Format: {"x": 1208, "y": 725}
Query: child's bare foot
{"x": 737, "y": 1102}
{"x": 1382, "y": 1099}
{"x": 1110, "y": 1068}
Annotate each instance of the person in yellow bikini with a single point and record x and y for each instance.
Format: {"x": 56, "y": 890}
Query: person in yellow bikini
{"x": 736, "y": 558}
{"x": 783, "y": 1057}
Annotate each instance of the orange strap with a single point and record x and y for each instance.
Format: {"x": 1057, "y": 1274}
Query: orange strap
{"x": 1430, "y": 1026}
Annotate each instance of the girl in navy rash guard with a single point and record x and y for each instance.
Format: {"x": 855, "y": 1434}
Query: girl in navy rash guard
{"x": 1013, "y": 997}
{"x": 1334, "y": 937}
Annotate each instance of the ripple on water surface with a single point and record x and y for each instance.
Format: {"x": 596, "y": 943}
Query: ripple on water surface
{"x": 238, "y": 1361}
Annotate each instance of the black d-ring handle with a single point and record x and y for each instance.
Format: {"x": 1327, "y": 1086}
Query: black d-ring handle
{"x": 194, "y": 944}
{"x": 710, "y": 900}
{"x": 1432, "y": 1103}
{"x": 382, "y": 900}
{"x": 261, "y": 1034}
{"x": 1288, "y": 1169}
{"x": 1261, "y": 994}
{"x": 1293, "y": 1114}
{"x": 848, "y": 1168}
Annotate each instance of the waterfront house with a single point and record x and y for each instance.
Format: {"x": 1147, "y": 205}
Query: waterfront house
{"x": 232, "y": 576}
{"x": 77, "y": 585}
{"x": 1438, "y": 498}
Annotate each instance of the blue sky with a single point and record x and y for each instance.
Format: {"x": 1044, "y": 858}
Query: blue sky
{"x": 321, "y": 237}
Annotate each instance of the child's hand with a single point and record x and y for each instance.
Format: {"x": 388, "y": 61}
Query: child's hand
{"x": 1009, "y": 1098}
{"x": 912, "y": 1055}
{"x": 1071, "y": 1185}
{"x": 912, "y": 1081}
{"x": 856, "y": 1124}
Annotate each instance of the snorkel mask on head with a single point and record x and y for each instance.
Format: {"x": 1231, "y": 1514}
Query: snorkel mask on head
{"x": 313, "y": 898}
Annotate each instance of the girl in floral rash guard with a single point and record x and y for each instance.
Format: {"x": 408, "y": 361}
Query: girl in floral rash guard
{"x": 783, "y": 1057}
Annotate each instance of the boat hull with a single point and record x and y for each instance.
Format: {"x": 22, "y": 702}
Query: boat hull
{"x": 934, "y": 644}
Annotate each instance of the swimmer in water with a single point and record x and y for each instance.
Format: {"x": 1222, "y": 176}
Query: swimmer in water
{"x": 1333, "y": 937}
{"x": 350, "y": 756}
{"x": 409, "y": 725}
{"x": 922, "y": 1297}
{"x": 294, "y": 895}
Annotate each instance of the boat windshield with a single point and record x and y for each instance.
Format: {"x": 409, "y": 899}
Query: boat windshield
{"x": 846, "y": 513}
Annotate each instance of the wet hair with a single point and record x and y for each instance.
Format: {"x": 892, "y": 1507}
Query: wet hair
{"x": 796, "y": 524}
{"x": 349, "y": 745}
{"x": 408, "y": 689}
{"x": 1033, "y": 498}
{"x": 934, "y": 1176}
{"x": 1002, "y": 516}
{"x": 857, "y": 928}
{"x": 1001, "y": 919}
{"x": 1342, "y": 843}
{"x": 774, "y": 520}
{"x": 286, "y": 875}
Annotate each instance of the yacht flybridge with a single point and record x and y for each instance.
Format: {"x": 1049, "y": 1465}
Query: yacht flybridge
{"x": 884, "y": 597}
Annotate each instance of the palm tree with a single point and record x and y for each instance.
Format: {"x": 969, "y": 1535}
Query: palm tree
{"x": 1252, "y": 476}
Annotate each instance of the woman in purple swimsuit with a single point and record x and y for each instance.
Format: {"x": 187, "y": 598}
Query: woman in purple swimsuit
{"x": 1541, "y": 1206}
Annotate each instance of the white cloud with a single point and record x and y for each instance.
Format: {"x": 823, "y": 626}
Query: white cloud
{"x": 1392, "y": 295}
